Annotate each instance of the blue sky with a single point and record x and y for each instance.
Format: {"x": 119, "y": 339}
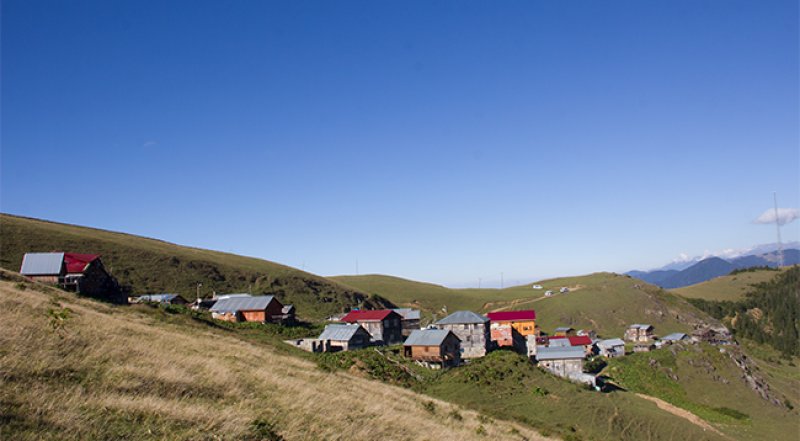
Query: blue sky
{"x": 439, "y": 141}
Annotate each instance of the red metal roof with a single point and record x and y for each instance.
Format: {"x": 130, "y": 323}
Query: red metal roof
{"x": 512, "y": 315}
{"x": 77, "y": 263}
{"x": 580, "y": 340}
{"x": 357, "y": 316}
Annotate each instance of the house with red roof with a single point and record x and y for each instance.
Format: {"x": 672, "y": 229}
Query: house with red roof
{"x": 512, "y": 328}
{"x": 384, "y": 325}
{"x": 82, "y": 273}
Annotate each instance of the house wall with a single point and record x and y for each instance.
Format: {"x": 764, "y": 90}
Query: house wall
{"x": 45, "y": 279}
{"x": 524, "y": 327}
{"x": 96, "y": 282}
{"x": 563, "y": 368}
{"x": 226, "y": 316}
{"x": 253, "y": 316}
{"x": 274, "y": 312}
{"x": 408, "y": 326}
{"x": 475, "y": 338}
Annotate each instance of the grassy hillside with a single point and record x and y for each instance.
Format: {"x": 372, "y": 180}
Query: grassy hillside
{"x": 603, "y": 301}
{"x": 151, "y": 266}
{"x": 705, "y": 380}
{"x": 505, "y": 384}
{"x": 731, "y": 287}
{"x": 74, "y": 369}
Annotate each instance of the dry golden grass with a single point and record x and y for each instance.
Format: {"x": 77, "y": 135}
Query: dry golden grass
{"x": 110, "y": 373}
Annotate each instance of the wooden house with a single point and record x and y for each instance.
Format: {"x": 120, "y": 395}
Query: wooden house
{"x": 81, "y": 273}
{"x": 639, "y": 332}
{"x": 715, "y": 335}
{"x": 566, "y": 361}
{"x": 511, "y": 328}
{"x": 383, "y": 325}
{"x": 262, "y": 309}
{"x": 171, "y": 299}
{"x": 409, "y": 319}
{"x": 344, "y": 337}
{"x": 611, "y": 348}
{"x": 434, "y": 348}
{"x": 643, "y": 346}
{"x": 564, "y": 331}
{"x": 472, "y": 329}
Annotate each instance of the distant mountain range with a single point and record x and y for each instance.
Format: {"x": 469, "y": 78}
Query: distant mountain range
{"x": 676, "y": 275}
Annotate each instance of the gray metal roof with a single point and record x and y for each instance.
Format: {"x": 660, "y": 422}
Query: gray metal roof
{"x": 543, "y": 353}
{"x": 640, "y": 326}
{"x": 234, "y": 304}
{"x": 610, "y": 343}
{"x": 163, "y": 298}
{"x": 42, "y": 264}
{"x": 558, "y": 342}
{"x": 427, "y": 337}
{"x": 340, "y": 332}
{"x": 564, "y": 329}
{"x": 287, "y": 309}
{"x": 462, "y": 317}
{"x": 408, "y": 313}
{"x": 675, "y": 336}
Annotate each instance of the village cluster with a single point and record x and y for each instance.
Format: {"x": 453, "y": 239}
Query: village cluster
{"x": 449, "y": 342}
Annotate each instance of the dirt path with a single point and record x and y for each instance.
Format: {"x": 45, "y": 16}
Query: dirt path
{"x": 514, "y": 303}
{"x": 683, "y": 413}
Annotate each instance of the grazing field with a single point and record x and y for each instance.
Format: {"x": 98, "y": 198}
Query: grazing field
{"x": 732, "y": 287}
{"x": 147, "y": 266}
{"x": 604, "y": 302}
{"x": 75, "y": 369}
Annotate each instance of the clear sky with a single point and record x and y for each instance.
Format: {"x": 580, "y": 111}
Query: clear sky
{"x": 438, "y": 141}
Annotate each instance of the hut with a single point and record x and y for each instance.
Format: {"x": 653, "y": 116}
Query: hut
{"x": 409, "y": 319}
{"x": 511, "y": 328}
{"x": 433, "y": 348}
{"x": 171, "y": 299}
{"x": 639, "y": 332}
{"x": 263, "y": 309}
{"x": 643, "y": 346}
{"x": 715, "y": 335}
{"x": 563, "y": 361}
{"x": 611, "y": 348}
{"x": 564, "y": 331}
{"x": 81, "y": 273}
{"x": 472, "y": 329}
{"x": 384, "y": 325}
{"x": 344, "y": 337}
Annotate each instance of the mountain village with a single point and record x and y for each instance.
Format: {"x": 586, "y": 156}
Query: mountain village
{"x": 449, "y": 342}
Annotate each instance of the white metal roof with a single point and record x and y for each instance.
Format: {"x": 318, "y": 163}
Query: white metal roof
{"x": 42, "y": 264}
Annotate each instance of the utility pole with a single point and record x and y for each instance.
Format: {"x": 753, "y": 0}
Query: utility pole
{"x": 778, "y": 228}
{"x": 198, "y": 290}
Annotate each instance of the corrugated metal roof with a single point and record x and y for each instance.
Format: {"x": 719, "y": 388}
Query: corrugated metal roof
{"x": 675, "y": 336}
{"x": 340, "y": 332}
{"x": 234, "y": 304}
{"x": 462, "y": 317}
{"x": 544, "y": 353}
{"x": 408, "y": 313}
{"x": 376, "y": 315}
{"x": 640, "y": 326}
{"x": 427, "y": 337}
{"x": 611, "y": 343}
{"x": 42, "y": 264}
{"x": 564, "y": 329}
{"x": 512, "y": 315}
{"x": 559, "y": 343}
{"x": 287, "y": 309}
{"x": 77, "y": 263}
{"x": 163, "y": 298}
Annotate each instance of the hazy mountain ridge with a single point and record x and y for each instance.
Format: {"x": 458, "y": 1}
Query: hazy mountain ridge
{"x": 711, "y": 267}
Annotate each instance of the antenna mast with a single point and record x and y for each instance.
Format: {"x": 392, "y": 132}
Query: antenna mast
{"x": 778, "y": 228}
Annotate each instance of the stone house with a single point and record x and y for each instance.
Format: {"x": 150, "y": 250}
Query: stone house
{"x": 639, "y": 332}
{"x": 472, "y": 329}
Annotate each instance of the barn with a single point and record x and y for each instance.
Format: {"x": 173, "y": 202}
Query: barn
{"x": 433, "y": 348}
{"x": 263, "y": 309}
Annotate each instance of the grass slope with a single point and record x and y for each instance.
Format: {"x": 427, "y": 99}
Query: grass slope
{"x": 704, "y": 380}
{"x": 605, "y": 302}
{"x": 152, "y": 266}
{"x": 74, "y": 369}
{"x": 731, "y": 287}
{"x": 506, "y": 385}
